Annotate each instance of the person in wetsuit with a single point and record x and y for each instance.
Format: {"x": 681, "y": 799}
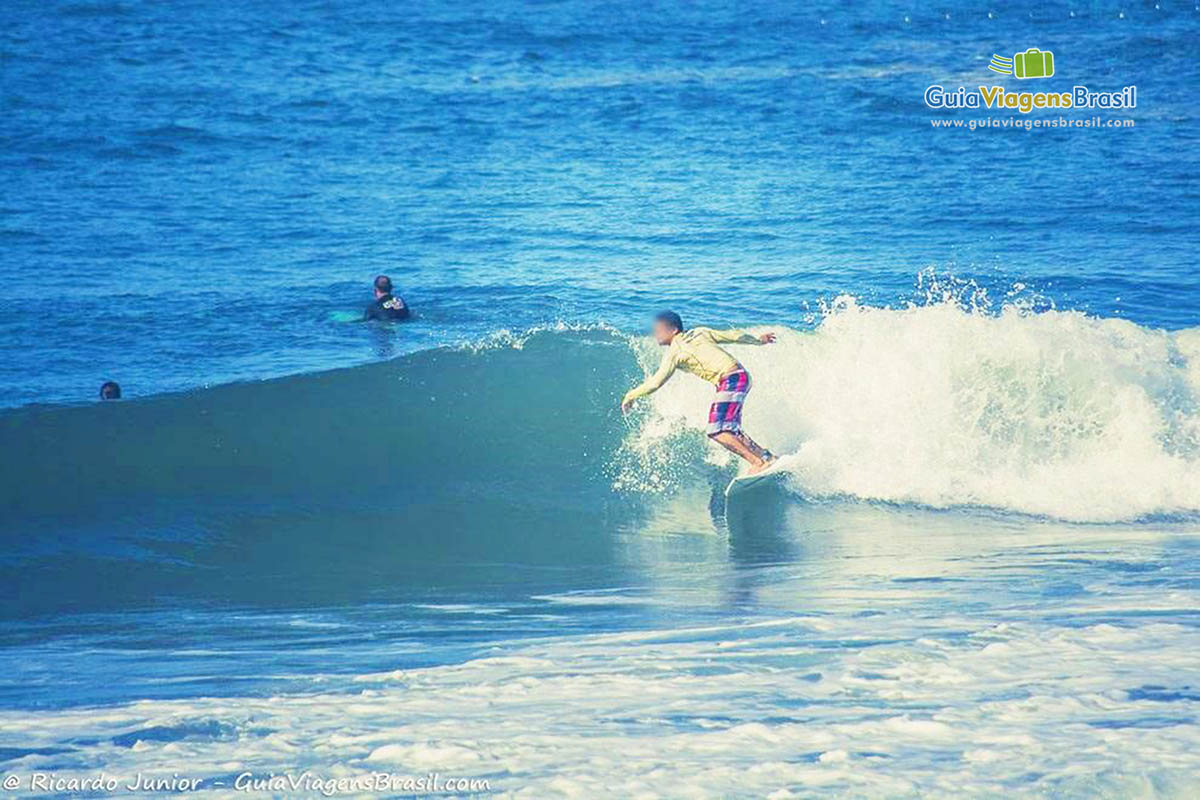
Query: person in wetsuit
{"x": 387, "y": 306}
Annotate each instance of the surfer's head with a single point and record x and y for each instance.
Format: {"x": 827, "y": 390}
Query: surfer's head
{"x": 383, "y": 285}
{"x": 666, "y": 325}
{"x": 110, "y": 391}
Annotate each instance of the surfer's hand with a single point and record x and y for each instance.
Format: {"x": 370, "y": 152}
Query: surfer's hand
{"x": 767, "y": 338}
{"x": 626, "y": 405}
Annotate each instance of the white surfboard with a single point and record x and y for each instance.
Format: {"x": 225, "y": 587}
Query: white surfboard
{"x": 775, "y": 472}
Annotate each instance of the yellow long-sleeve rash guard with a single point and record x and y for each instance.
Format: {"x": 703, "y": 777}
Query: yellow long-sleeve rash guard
{"x": 695, "y": 351}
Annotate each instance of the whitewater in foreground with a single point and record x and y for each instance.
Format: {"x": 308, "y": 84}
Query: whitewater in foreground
{"x": 869, "y": 654}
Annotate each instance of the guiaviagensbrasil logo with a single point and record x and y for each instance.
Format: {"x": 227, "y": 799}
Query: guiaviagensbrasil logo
{"x": 1033, "y": 63}
{"x": 1030, "y": 63}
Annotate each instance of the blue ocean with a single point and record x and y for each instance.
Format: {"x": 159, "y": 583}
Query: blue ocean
{"x": 304, "y": 549}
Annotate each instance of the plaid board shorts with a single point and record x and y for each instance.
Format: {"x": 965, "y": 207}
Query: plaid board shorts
{"x": 726, "y": 411}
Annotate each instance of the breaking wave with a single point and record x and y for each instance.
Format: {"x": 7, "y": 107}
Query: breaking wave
{"x": 514, "y": 451}
{"x": 1052, "y": 413}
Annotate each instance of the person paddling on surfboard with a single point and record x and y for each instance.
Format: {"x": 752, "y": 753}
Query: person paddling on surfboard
{"x": 697, "y": 351}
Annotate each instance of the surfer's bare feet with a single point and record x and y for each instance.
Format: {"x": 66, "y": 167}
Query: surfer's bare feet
{"x": 760, "y": 466}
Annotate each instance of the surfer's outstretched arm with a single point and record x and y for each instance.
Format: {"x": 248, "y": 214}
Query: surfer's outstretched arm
{"x": 654, "y": 382}
{"x": 738, "y": 336}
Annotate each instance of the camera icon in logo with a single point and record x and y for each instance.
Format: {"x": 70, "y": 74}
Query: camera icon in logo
{"x": 1033, "y": 63}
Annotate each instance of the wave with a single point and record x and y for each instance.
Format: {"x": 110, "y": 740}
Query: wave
{"x": 510, "y": 412}
{"x": 321, "y": 488}
{"x": 1053, "y": 413}
{"x": 514, "y": 451}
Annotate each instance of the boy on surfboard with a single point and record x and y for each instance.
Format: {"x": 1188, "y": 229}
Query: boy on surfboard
{"x": 697, "y": 351}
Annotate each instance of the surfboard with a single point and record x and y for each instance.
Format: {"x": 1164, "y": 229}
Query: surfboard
{"x": 345, "y": 316}
{"x": 774, "y": 473}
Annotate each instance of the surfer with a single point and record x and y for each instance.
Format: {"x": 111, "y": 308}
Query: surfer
{"x": 387, "y": 306}
{"x": 109, "y": 390}
{"x": 696, "y": 351}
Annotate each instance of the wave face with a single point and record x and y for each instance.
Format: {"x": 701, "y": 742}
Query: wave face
{"x": 1053, "y": 413}
{"x": 335, "y": 487}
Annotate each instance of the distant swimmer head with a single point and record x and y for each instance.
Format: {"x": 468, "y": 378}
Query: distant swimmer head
{"x": 110, "y": 391}
{"x": 383, "y": 285}
{"x": 666, "y": 325}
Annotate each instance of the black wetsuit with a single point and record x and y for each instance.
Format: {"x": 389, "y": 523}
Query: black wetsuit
{"x": 389, "y": 307}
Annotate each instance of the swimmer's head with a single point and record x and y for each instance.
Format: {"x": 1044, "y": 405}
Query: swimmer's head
{"x": 666, "y": 325}
{"x": 110, "y": 391}
{"x": 383, "y": 285}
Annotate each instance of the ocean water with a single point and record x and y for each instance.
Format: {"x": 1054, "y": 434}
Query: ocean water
{"x": 309, "y": 545}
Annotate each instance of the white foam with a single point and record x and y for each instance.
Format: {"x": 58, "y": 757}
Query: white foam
{"x": 1015, "y": 709}
{"x": 1053, "y": 413}
{"x": 906, "y": 655}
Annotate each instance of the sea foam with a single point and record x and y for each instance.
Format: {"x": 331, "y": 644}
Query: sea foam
{"x": 1054, "y": 413}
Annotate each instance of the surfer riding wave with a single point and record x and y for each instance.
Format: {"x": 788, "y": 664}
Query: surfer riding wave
{"x": 697, "y": 351}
